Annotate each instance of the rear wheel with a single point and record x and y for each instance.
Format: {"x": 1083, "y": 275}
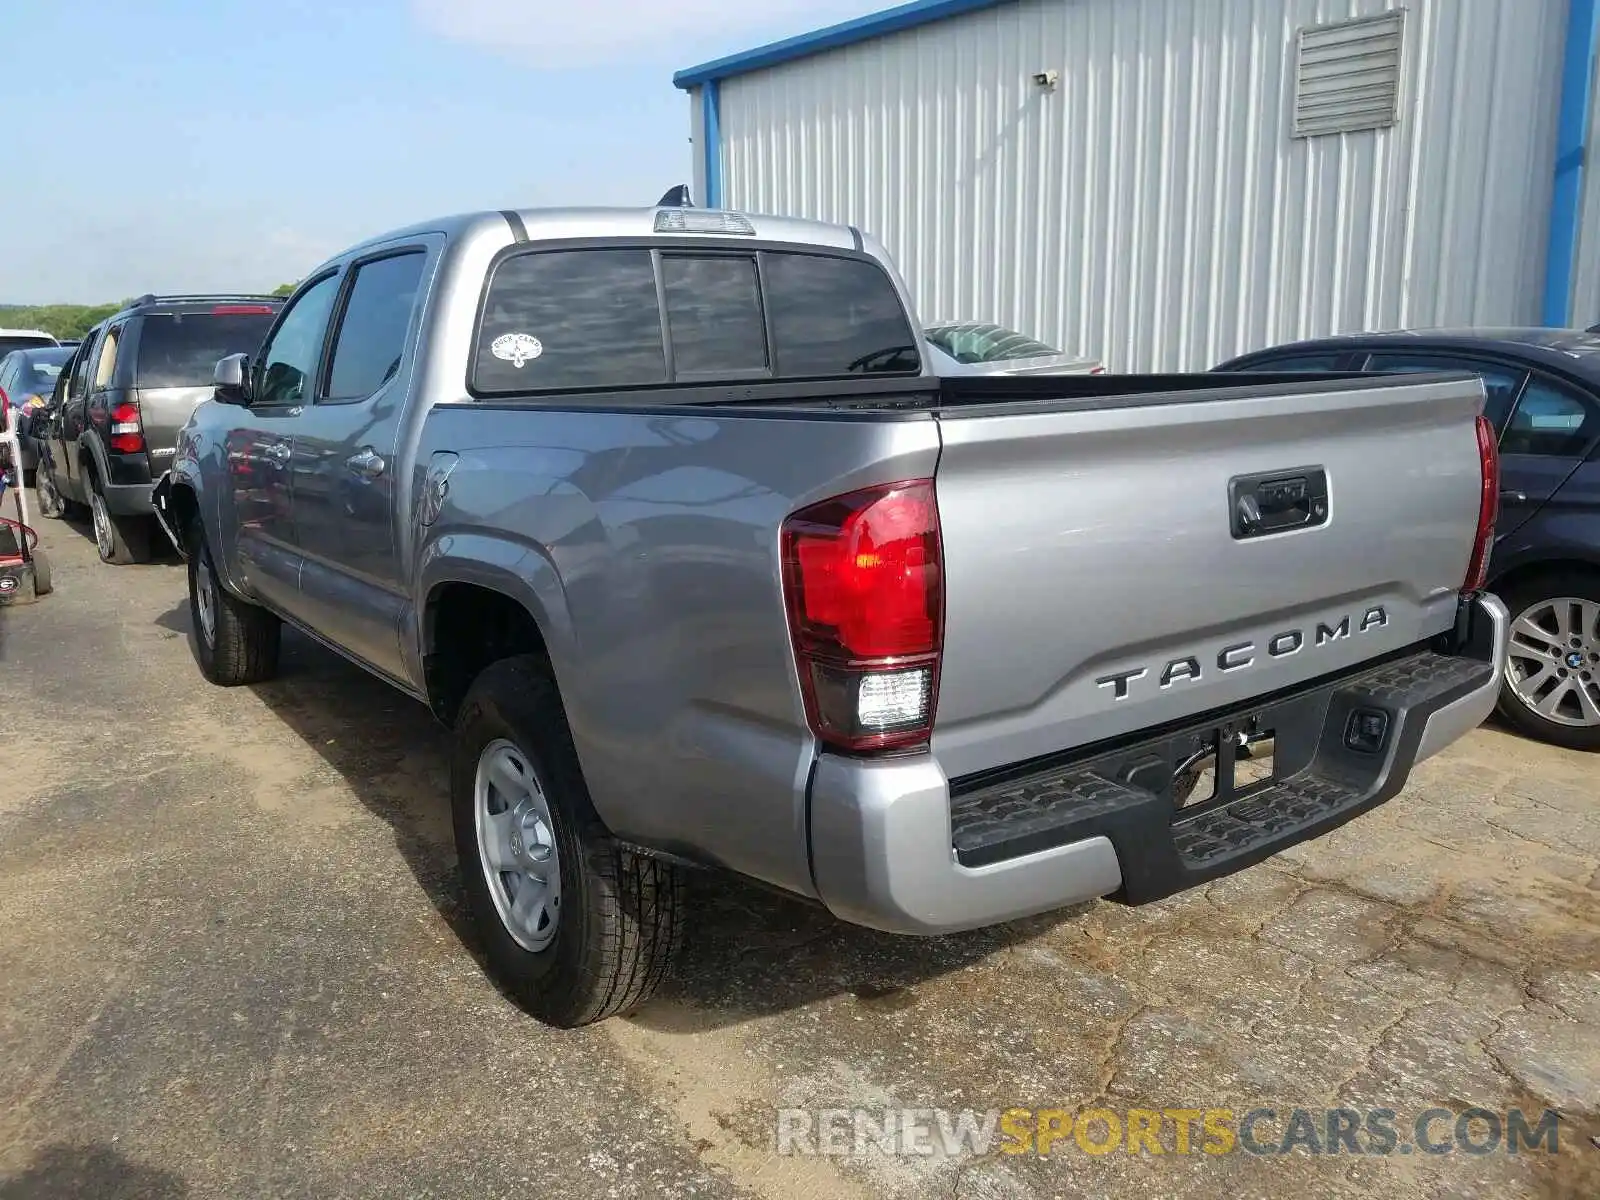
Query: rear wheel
{"x": 120, "y": 540}
{"x": 577, "y": 927}
{"x": 1552, "y": 683}
{"x": 236, "y": 642}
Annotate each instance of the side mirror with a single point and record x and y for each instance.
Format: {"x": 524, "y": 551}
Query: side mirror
{"x": 232, "y": 379}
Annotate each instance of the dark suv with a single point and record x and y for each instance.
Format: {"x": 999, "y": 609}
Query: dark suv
{"x": 113, "y": 422}
{"x": 1543, "y": 395}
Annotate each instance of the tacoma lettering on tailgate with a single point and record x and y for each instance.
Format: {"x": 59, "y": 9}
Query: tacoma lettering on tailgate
{"x": 1242, "y": 655}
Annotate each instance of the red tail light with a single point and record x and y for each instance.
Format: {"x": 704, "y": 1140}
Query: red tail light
{"x": 126, "y": 435}
{"x": 1488, "y": 508}
{"x": 5, "y": 410}
{"x": 242, "y": 310}
{"x": 864, "y": 588}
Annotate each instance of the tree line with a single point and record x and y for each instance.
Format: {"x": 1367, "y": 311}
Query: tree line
{"x": 72, "y": 321}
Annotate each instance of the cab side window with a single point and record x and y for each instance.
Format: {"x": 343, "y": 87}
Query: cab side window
{"x": 371, "y": 339}
{"x": 289, "y": 359}
{"x": 1551, "y": 421}
{"x": 1500, "y": 383}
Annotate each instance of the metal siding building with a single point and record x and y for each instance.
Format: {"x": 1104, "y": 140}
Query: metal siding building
{"x": 1154, "y": 205}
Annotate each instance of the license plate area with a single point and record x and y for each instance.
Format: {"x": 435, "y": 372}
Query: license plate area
{"x": 1227, "y": 762}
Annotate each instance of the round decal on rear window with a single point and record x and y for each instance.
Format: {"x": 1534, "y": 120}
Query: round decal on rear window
{"x": 516, "y": 348}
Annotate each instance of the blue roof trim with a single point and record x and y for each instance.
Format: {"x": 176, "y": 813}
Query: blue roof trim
{"x": 1572, "y": 127}
{"x": 711, "y": 135}
{"x": 846, "y": 33}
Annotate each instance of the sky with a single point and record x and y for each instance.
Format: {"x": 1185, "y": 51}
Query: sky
{"x": 231, "y": 145}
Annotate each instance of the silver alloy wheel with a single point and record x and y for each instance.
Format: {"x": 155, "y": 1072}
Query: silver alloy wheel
{"x": 205, "y": 597}
{"x": 103, "y": 538}
{"x": 1553, "y": 665}
{"x": 517, "y": 845}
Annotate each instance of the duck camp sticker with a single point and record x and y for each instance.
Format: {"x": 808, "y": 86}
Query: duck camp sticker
{"x": 516, "y": 348}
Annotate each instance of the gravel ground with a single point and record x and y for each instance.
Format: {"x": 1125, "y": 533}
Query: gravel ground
{"x": 234, "y": 960}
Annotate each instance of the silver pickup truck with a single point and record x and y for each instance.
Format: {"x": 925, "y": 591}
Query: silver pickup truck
{"x": 663, "y": 514}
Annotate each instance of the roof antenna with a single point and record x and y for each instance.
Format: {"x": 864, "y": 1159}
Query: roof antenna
{"x": 677, "y": 197}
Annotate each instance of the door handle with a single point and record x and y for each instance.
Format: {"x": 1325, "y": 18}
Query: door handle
{"x": 366, "y": 462}
{"x": 1513, "y": 497}
{"x": 278, "y": 452}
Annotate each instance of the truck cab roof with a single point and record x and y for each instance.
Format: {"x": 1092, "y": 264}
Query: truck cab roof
{"x": 561, "y": 224}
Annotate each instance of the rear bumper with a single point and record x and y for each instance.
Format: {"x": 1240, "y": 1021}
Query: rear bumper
{"x": 897, "y": 846}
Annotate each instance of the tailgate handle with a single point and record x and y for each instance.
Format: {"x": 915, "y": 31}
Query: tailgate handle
{"x": 1278, "y": 501}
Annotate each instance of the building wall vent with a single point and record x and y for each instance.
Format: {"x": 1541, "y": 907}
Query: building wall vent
{"x": 1347, "y": 75}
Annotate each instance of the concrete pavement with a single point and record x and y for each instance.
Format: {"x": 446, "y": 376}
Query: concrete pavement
{"x": 233, "y": 960}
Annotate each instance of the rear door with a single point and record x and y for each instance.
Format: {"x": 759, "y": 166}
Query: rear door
{"x": 344, "y": 488}
{"x": 260, "y": 444}
{"x": 74, "y": 420}
{"x": 1552, "y": 430}
{"x": 1545, "y": 425}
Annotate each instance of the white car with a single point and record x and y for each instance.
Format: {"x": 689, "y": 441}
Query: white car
{"x": 24, "y": 339}
{"x": 983, "y": 348}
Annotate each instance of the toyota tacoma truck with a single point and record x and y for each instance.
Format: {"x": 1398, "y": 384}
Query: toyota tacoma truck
{"x": 663, "y": 513}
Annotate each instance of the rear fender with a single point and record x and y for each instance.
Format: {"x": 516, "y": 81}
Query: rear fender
{"x": 518, "y": 570}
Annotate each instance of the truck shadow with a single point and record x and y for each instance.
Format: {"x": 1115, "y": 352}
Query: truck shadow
{"x": 65, "y": 1170}
{"x": 751, "y": 952}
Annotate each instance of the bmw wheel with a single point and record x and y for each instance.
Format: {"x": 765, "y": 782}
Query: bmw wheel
{"x": 1552, "y": 682}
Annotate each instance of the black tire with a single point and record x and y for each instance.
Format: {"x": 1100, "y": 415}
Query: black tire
{"x": 1524, "y": 598}
{"x": 48, "y": 497}
{"x": 244, "y": 640}
{"x": 42, "y": 585}
{"x": 620, "y": 916}
{"x": 119, "y": 540}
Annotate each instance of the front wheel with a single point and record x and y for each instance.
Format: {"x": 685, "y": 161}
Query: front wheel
{"x": 1552, "y": 684}
{"x": 575, "y": 926}
{"x": 236, "y": 642}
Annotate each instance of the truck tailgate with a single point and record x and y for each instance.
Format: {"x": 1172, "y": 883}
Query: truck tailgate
{"x": 1100, "y": 578}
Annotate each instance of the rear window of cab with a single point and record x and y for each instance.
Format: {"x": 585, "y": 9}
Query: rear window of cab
{"x": 631, "y": 317}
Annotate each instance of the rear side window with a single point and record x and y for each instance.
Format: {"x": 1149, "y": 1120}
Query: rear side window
{"x": 1551, "y": 421}
{"x": 181, "y": 350}
{"x": 1295, "y": 362}
{"x": 1500, "y": 383}
{"x": 835, "y": 316}
{"x": 570, "y": 319}
{"x": 372, "y": 331}
{"x": 714, "y": 314}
